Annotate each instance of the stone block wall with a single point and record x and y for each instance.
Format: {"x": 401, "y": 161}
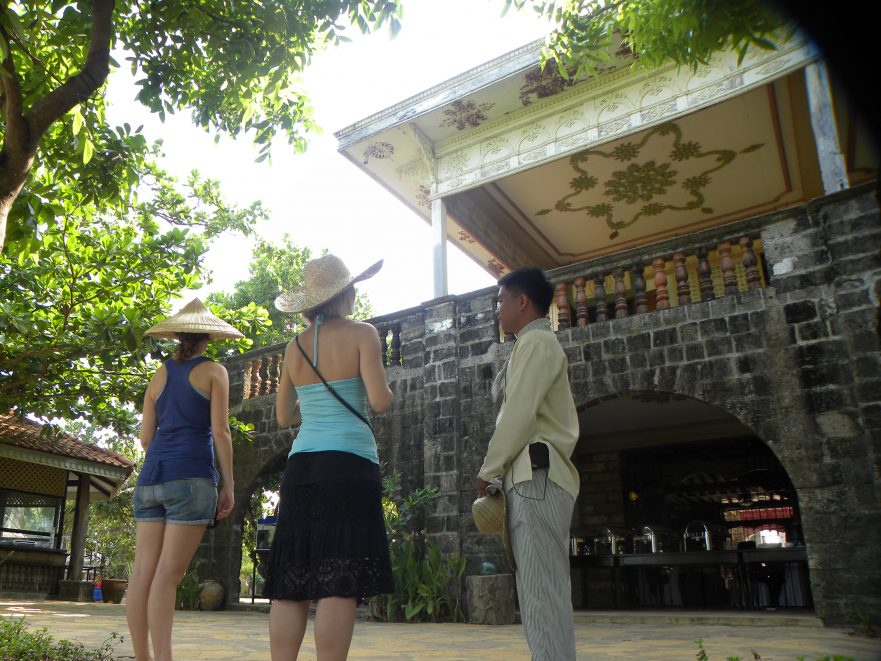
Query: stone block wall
{"x": 798, "y": 362}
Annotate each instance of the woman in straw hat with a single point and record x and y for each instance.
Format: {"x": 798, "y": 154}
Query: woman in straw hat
{"x": 186, "y": 416}
{"x": 330, "y": 544}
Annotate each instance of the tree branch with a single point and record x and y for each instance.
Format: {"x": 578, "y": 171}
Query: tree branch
{"x": 16, "y": 129}
{"x": 81, "y": 86}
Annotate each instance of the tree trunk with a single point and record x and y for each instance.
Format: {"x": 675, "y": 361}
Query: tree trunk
{"x": 24, "y": 127}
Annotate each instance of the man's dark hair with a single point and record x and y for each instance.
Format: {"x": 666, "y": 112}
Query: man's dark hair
{"x": 532, "y": 282}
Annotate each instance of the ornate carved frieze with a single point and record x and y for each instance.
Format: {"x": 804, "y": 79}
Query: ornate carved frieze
{"x": 583, "y": 117}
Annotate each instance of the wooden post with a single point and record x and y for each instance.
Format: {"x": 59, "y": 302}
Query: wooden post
{"x": 580, "y": 301}
{"x": 750, "y": 263}
{"x": 256, "y": 379}
{"x": 683, "y": 291}
{"x": 726, "y": 263}
{"x": 833, "y": 169}
{"x": 396, "y": 345}
{"x": 662, "y": 296}
{"x": 80, "y": 527}
{"x": 439, "y": 254}
{"x": 602, "y": 310}
{"x": 620, "y": 294}
{"x": 561, "y": 295}
{"x": 637, "y": 276}
{"x": 704, "y": 277}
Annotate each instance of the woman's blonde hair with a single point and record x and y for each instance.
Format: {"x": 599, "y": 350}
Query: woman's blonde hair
{"x": 341, "y": 305}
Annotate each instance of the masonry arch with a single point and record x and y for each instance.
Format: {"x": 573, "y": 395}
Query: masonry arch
{"x": 683, "y": 504}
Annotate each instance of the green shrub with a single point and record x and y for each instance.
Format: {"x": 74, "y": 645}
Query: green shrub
{"x": 187, "y": 597}
{"x": 18, "y": 642}
{"x": 427, "y": 581}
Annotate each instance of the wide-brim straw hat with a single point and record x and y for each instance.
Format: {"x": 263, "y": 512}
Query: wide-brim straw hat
{"x": 323, "y": 279}
{"x": 490, "y": 514}
{"x": 194, "y": 318}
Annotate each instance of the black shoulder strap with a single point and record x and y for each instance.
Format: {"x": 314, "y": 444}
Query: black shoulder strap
{"x": 330, "y": 388}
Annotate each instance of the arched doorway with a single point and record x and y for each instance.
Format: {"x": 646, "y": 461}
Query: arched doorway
{"x": 682, "y": 505}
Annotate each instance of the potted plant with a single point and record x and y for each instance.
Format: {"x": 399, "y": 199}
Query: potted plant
{"x": 114, "y": 588}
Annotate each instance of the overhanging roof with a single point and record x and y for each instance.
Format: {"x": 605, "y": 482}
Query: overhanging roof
{"x": 23, "y": 440}
{"x": 538, "y": 170}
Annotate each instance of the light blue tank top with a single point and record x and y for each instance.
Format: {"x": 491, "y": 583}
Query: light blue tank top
{"x": 326, "y": 423}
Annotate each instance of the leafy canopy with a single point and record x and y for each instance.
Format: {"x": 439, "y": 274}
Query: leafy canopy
{"x": 685, "y": 32}
{"x": 73, "y": 311}
{"x": 233, "y": 64}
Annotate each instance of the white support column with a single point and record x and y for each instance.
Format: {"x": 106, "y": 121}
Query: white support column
{"x": 439, "y": 239}
{"x": 832, "y": 167}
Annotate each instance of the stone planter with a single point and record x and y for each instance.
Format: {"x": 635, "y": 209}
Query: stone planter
{"x": 113, "y": 589}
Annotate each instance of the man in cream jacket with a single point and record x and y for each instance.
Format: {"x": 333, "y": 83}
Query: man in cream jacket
{"x": 536, "y": 432}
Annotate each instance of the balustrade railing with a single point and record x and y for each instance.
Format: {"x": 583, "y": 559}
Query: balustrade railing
{"x": 656, "y": 282}
{"x": 262, "y": 372}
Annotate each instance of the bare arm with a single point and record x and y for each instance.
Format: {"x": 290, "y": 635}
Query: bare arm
{"x": 287, "y": 404}
{"x": 148, "y": 419}
{"x": 222, "y": 437}
{"x": 373, "y": 370}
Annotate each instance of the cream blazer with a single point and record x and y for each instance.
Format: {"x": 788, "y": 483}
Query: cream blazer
{"x": 537, "y": 407}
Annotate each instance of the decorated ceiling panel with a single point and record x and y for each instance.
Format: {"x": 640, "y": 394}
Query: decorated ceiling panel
{"x": 538, "y": 169}
{"x": 695, "y": 172}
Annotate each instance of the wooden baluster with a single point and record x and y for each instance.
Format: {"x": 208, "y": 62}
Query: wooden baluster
{"x": 255, "y": 377}
{"x": 396, "y": 345}
{"x": 275, "y": 374}
{"x": 580, "y": 301}
{"x": 637, "y": 276}
{"x": 681, "y": 274}
{"x": 726, "y": 263}
{"x": 750, "y": 263}
{"x": 246, "y": 380}
{"x": 704, "y": 277}
{"x": 600, "y": 294}
{"x": 383, "y": 345}
{"x": 662, "y": 296}
{"x": 564, "y": 316}
{"x": 266, "y": 374}
{"x": 621, "y": 310}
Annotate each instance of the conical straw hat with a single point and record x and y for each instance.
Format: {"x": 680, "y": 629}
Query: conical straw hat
{"x": 490, "y": 514}
{"x": 323, "y": 279}
{"x": 194, "y": 318}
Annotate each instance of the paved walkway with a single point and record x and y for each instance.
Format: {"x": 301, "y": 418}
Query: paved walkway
{"x": 644, "y": 636}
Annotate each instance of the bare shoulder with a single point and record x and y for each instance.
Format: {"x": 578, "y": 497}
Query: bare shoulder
{"x": 365, "y": 330}
{"x": 216, "y": 370}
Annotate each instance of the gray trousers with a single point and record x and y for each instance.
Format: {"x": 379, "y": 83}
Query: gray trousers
{"x": 539, "y": 515}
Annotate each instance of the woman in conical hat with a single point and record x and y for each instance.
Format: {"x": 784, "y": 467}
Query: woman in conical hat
{"x": 186, "y": 418}
{"x": 330, "y": 545}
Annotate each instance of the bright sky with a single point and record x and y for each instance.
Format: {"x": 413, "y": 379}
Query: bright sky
{"x": 319, "y": 197}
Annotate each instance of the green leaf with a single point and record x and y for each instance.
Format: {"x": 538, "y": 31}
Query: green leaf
{"x": 88, "y": 151}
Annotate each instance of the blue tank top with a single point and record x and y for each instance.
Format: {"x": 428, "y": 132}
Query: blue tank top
{"x": 183, "y": 446}
{"x": 328, "y": 425}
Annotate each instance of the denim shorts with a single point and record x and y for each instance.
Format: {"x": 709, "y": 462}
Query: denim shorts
{"x": 191, "y": 501}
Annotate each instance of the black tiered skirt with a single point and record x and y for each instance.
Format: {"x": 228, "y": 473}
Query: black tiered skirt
{"x": 331, "y": 539}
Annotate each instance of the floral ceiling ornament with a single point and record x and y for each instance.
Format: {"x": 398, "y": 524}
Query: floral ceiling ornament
{"x": 463, "y": 114}
{"x": 379, "y": 151}
{"x": 649, "y": 182}
{"x": 496, "y": 267}
{"x": 545, "y": 82}
{"x": 422, "y": 197}
{"x": 465, "y": 237}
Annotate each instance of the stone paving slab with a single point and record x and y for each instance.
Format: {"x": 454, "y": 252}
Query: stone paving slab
{"x": 242, "y": 635}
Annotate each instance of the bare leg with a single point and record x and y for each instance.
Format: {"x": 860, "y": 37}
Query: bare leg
{"x": 178, "y": 547}
{"x": 334, "y": 624}
{"x": 148, "y": 546}
{"x": 287, "y": 626}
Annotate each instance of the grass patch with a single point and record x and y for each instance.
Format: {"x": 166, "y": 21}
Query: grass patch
{"x": 19, "y": 642}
